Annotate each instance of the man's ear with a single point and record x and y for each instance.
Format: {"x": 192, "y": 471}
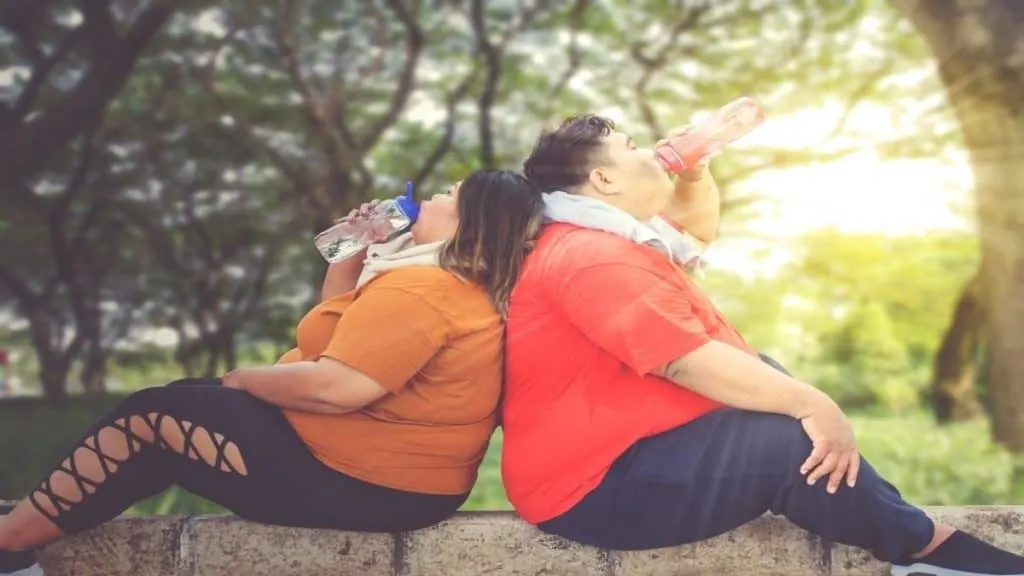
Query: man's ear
{"x": 602, "y": 182}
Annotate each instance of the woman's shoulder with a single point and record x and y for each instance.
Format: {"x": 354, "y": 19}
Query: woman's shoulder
{"x": 438, "y": 288}
{"x": 420, "y": 279}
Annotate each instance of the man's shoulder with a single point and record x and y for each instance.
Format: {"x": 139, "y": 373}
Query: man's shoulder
{"x": 564, "y": 247}
{"x": 585, "y": 246}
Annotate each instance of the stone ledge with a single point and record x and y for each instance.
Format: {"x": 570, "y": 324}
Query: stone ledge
{"x": 493, "y": 543}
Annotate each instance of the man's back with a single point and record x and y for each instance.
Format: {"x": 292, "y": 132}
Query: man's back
{"x": 592, "y": 315}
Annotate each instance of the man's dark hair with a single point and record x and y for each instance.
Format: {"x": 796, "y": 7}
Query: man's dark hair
{"x": 563, "y": 158}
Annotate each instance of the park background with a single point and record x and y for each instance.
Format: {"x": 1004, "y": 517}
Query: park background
{"x": 164, "y": 166}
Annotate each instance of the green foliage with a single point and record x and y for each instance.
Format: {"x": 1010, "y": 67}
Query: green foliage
{"x": 489, "y": 494}
{"x": 933, "y": 465}
{"x": 34, "y": 436}
{"x": 858, "y": 315}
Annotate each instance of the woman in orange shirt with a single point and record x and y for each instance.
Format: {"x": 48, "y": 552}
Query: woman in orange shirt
{"x": 376, "y": 421}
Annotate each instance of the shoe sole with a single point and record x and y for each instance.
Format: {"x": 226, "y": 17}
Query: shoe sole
{"x": 929, "y": 570}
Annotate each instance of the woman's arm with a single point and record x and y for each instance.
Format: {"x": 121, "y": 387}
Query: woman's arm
{"x": 342, "y": 276}
{"x": 325, "y": 386}
{"x": 383, "y": 339}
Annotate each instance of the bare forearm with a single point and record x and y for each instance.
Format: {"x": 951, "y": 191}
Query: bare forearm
{"x": 297, "y": 386}
{"x": 696, "y": 206}
{"x": 735, "y": 378}
{"x": 342, "y": 276}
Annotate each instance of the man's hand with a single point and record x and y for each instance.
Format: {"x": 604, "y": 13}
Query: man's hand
{"x": 695, "y": 207}
{"x": 835, "y": 451}
{"x": 699, "y": 170}
{"x": 737, "y": 378}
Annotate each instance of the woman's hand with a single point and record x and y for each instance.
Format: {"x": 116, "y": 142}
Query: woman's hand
{"x": 363, "y": 211}
{"x": 234, "y": 379}
{"x": 374, "y": 227}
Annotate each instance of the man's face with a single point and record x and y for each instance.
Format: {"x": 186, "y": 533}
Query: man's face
{"x": 631, "y": 178}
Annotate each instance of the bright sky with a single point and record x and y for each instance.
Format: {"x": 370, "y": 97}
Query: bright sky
{"x": 859, "y": 193}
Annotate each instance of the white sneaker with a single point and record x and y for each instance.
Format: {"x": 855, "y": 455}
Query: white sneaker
{"x": 922, "y": 569}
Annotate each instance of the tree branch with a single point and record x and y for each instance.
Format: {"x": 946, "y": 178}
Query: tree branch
{"x": 651, "y": 65}
{"x": 24, "y": 149}
{"x": 492, "y": 76}
{"x": 406, "y": 80}
{"x": 573, "y": 51}
{"x": 41, "y": 74}
{"x": 444, "y": 143}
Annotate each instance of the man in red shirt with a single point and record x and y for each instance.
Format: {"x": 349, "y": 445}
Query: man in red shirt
{"x": 635, "y": 414}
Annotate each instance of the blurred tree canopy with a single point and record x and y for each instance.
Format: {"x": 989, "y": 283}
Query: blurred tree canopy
{"x": 859, "y": 315}
{"x": 185, "y": 183}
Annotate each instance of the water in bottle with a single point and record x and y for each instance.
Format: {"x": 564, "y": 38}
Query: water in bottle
{"x": 388, "y": 219}
{"x": 730, "y": 123}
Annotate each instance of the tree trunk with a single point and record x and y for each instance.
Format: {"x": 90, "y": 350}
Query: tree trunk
{"x": 981, "y": 64}
{"x": 53, "y": 378}
{"x": 230, "y": 353}
{"x": 1001, "y": 205}
{"x": 954, "y": 370}
{"x": 94, "y": 372}
{"x": 185, "y": 356}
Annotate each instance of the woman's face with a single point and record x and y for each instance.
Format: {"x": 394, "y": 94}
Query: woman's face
{"x": 439, "y": 217}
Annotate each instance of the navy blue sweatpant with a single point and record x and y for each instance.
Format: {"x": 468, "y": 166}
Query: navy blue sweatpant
{"x": 726, "y": 469}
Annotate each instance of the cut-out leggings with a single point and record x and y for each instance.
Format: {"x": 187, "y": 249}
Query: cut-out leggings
{"x": 228, "y": 447}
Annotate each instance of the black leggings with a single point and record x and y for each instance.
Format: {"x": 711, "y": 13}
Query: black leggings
{"x": 226, "y": 446}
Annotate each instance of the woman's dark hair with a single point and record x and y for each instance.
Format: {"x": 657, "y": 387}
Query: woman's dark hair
{"x": 563, "y": 158}
{"x": 500, "y": 215}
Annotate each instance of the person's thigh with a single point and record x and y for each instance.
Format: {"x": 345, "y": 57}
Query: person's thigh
{"x": 224, "y": 445}
{"x": 195, "y": 382}
{"x": 271, "y": 475}
{"x": 690, "y": 483}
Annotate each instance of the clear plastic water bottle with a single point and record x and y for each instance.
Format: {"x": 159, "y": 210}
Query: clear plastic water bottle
{"x": 389, "y": 219}
{"x": 730, "y": 123}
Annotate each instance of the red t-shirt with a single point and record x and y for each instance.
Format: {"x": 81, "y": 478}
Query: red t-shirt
{"x": 591, "y": 316}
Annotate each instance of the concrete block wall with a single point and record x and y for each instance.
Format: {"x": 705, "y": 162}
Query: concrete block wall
{"x": 491, "y": 543}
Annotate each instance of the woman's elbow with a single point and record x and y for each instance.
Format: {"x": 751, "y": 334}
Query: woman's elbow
{"x": 346, "y": 390}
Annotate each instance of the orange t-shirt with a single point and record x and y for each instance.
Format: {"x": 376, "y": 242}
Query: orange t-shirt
{"x": 591, "y": 316}
{"x": 435, "y": 343}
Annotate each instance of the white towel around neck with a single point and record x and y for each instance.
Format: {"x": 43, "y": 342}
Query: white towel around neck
{"x": 587, "y": 212}
{"x": 402, "y": 252}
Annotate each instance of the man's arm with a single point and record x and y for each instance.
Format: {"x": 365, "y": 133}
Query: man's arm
{"x": 735, "y": 378}
{"x": 695, "y": 207}
{"x": 642, "y": 314}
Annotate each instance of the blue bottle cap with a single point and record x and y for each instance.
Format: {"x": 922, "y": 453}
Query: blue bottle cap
{"x": 407, "y": 204}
